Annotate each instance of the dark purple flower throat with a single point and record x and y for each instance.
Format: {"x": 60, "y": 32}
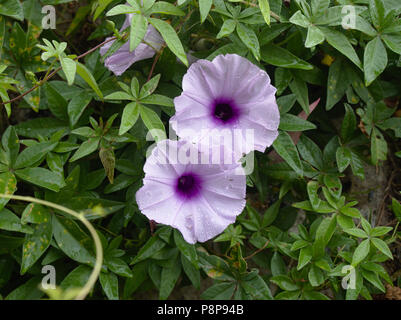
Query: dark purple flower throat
{"x": 225, "y": 111}
{"x": 188, "y": 185}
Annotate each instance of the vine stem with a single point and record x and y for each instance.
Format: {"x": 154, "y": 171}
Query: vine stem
{"x": 258, "y": 251}
{"x": 98, "y": 245}
{"x": 51, "y": 75}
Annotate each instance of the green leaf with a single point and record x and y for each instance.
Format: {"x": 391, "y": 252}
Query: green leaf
{"x": 86, "y": 148}
{"x": 337, "y": 83}
{"x": 314, "y": 295}
{"x": 191, "y": 271}
{"x": 166, "y": 8}
{"x": 255, "y": 287}
{"x": 149, "y": 87}
{"x": 169, "y": 277}
{"x": 349, "y": 124}
{"x": 153, "y": 123}
{"x": 170, "y": 36}
{"x": 324, "y": 233}
{"x": 33, "y": 154}
{"x": 396, "y": 206}
{"x": 284, "y": 282}
{"x": 299, "y": 19}
{"x": 10, "y": 222}
{"x": 382, "y": 246}
{"x": 85, "y": 74}
{"x": 57, "y": 103}
{"x": 377, "y": 12}
{"x": 380, "y": 231}
{"x": 158, "y": 99}
{"x": 35, "y": 245}
{"x": 41, "y": 177}
{"x": 121, "y": 9}
{"x": 8, "y": 185}
{"x": 340, "y": 42}
{"x": 314, "y": 37}
{"x": 70, "y": 68}
{"x": 319, "y": 6}
{"x": 77, "y": 106}
{"x": 35, "y": 213}
{"x": 277, "y": 265}
{"x": 219, "y": 291}
{"x": 109, "y": 282}
{"x": 140, "y": 274}
{"x": 374, "y": 279}
{"x": 186, "y": 249}
{"x": 72, "y": 240}
{"x": 77, "y": 278}
{"x": 315, "y": 276}
{"x": 265, "y": 9}
{"x": 310, "y": 152}
{"x": 290, "y": 122}
{"x": 378, "y": 146}
{"x": 312, "y": 188}
{"x": 249, "y": 38}
{"x": 204, "y": 8}
{"x": 227, "y": 28}
{"x": 152, "y": 246}
{"x": 10, "y": 143}
{"x": 343, "y": 158}
{"x": 393, "y": 42}
{"x": 361, "y": 252}
{"x": 129, "y": 117}
{"x": 285, "y": 147}
{"x": 12, "y": 8}
{"x": 119, "y": 266}
{"x": 271, "y": 214}
{"x": 305, "y": 256}
{"x": 27, "y": 291}
{"x": 119, "y": 95}
{"x": 300, "y": 89}
{"x": 356, "y": 232}
{"x": 350, "y": 212}
{"x": 139, "y": 25}
{"x": 375, "y": 60}
{"x": 108, "y": 159}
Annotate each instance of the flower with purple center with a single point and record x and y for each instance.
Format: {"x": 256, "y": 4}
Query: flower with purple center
{"x": 199, "y": 199}
{"x": 228, "y": 93}
{"x": 123, "y": 58}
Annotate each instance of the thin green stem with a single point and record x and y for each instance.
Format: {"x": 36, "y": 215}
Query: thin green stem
{"x": 98, "y": 245}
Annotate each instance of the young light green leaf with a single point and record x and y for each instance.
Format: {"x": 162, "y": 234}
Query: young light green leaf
{"x": 70, "y": 68}
{"x": 265, "y": 9}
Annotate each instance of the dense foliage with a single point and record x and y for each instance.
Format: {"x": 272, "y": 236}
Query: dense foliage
{"x": 80, "y": 138}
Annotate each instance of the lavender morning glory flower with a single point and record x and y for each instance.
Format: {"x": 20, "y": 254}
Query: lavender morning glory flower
{"x": 197, "y": 197}
{"x": 122, "y": 59}
{"x": 228, "y": 94}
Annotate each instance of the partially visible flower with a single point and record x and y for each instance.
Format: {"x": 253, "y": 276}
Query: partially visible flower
{"x": 198, "y": 199}
{"x": 227, "y": 93}
{"x": 122, "y": 59}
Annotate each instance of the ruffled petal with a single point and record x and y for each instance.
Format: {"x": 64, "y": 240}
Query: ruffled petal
{"x": 261, "y": 137}
{"x": 202, "y": 80}
{"x": 163, "y": 163}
